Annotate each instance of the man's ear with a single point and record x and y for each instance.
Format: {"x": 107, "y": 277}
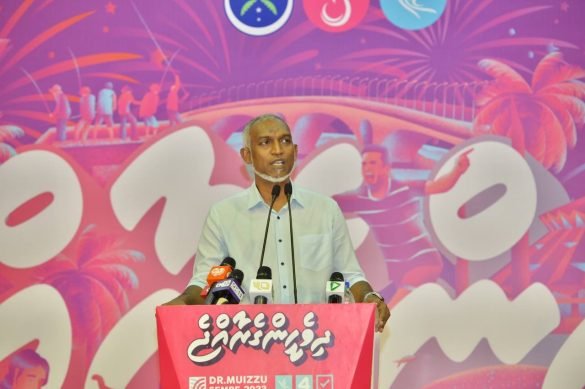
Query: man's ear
{"x": 245, "y": 154}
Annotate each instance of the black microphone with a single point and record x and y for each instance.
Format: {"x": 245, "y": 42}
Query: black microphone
{"x": 228, "y": 291}
{"x": 288, "y": 193}
{"x": 275, "y": 194}
{"x": 335, "y": 288}
{"x": 260, "y": 291}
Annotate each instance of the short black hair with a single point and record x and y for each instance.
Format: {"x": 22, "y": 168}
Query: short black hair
{"x": 383, "y": 151}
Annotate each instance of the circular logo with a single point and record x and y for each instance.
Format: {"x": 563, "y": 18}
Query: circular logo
{"x": 336, "y": 15}
{"x": 258, "y": 17}
{"x": 217, "y": 271}
{"x": 413, "y": 14}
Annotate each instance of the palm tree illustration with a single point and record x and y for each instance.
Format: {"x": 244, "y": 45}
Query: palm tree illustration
{"x": 267, "y": 3}
{"x": 7, "y": 133}
{"x": 541, "y": 118}
{"x": 94, "y": 281}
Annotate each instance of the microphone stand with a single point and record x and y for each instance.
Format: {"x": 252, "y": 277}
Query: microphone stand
{"x": 288, "y": 193}
{"x": 275, "y": 194}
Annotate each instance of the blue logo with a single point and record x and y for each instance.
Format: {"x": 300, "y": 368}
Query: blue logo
{"x": 413, "y": 14}
{"x": 258, "y": 17}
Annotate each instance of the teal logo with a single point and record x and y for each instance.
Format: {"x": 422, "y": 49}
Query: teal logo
{"x": 304, "y": 382}
{"x": 283, "y": 382}
{"x": 413, "y": 14}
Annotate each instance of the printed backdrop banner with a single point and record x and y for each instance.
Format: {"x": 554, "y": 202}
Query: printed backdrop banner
{"x": 321, "y": 346}
{"x": 450, "y": 133}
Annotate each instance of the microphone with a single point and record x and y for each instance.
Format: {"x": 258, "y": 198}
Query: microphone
{"x": 261, "y": 287}
{"x": 335, "y": 290}
{"x": 275, "y": 194}
{"x": 219, "y": 273}
{"x": 228, "y": 291}
{"x": 288, "y": 193}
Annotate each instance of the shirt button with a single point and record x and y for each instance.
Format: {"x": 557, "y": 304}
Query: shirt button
{"x": 283, "y": 286}
{"x": 278, "y": 217}
{"x": 280, "y": 240}
{"x": 282, "y": 263}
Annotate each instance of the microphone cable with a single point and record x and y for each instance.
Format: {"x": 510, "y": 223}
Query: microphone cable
{"x": 288, "y": 193}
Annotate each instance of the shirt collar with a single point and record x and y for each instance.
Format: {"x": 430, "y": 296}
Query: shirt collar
{"x": 255, "y": 199}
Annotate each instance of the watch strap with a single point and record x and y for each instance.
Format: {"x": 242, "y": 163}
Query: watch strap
{"x": 378, "y": 295}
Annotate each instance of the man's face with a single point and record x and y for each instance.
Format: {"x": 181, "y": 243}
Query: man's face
{"x": 373, "y": 168}
{"x": 271, "y": 150}
{"x": 31, "y": 378}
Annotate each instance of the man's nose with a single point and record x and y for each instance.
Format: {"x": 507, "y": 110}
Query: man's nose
{"x": 276, "y": 148}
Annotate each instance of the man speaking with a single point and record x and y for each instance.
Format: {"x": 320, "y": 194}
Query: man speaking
{"x": 305, "y": 234}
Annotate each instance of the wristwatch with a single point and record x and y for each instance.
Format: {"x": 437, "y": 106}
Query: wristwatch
{"x": 378, "y": 295}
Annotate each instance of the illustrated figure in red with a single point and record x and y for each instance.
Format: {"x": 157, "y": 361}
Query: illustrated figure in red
{"x": 61, "y": 113}
{"x": 86, "y": 113}
{"x": 148, "y": 108}
{"x": 125, "y": 103}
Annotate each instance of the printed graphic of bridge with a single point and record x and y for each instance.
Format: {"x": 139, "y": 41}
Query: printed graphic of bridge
{"x": 442, "y": 111}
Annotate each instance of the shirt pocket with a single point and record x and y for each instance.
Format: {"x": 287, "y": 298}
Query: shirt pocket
{"x": 315, "y": 251}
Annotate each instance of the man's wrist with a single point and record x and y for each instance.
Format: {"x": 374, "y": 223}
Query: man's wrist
{"x": 377, "y": 295}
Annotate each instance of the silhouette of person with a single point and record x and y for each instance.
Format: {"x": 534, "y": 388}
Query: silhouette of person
{"x": 27, "y": 370}
{"x": 393, "y": 212}
{"x": 61, "y": 113}
{"x": 86, "y": 113}
{"x": 148, "y": 108}
{"x": 173, "y": 102}
{"x": 125, "y": 102}
{"x": 106, "y": 104}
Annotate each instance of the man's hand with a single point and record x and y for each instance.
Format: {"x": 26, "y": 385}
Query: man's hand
{"x": 446, "y": 182}
{"x": 463, "y": 162}
{"x": 191, "y": 296}
{"x": 383, "y": 313}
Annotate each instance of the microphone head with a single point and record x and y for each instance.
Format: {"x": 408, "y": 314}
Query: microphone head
{"x": 288, "y": 189}
{"x": 228, "y": 261}
{"x": 238, "y": 276}
{"x": 264, "y": 273}
{"x": 275, "y": 191}
{"x": 335, "y": 290}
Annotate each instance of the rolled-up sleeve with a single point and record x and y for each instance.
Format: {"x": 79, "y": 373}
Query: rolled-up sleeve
{"x": 210, "y": 251}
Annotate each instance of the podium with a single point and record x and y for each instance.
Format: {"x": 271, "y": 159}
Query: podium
{"x": 304, "y": 346}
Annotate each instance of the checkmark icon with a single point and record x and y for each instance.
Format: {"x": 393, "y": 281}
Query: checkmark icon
{"x": 284, "y": 382}
{"x": 324, "y": 381}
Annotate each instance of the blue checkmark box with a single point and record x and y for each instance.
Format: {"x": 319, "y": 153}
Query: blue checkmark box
{"x": 283, "y": 382}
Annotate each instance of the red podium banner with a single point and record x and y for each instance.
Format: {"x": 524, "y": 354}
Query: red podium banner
{"x": 266, "y": 346}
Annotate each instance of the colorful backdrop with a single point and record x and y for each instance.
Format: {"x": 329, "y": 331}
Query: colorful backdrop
{"x": 485, "y": 280}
